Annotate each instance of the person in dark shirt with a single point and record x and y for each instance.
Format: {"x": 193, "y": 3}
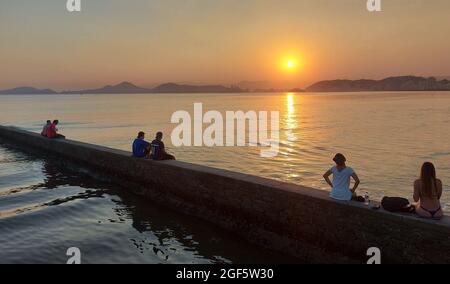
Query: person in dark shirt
{"x": 141, "y": 148}
{"x": 159, "y": 150}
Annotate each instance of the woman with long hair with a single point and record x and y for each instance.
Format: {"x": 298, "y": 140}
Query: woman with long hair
{"x": 428, "y": 193}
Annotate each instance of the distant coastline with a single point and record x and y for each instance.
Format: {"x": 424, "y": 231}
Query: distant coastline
{"x": 129, "y": 88}
{"x": 400, "y": 83}
{"x": 28, "y": 91}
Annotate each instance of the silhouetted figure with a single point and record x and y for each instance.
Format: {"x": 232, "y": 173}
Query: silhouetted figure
{"x": 159, "y": 150}
{"x": 45, "y": 128}
{"x": 141, "y": 148}
{"x": 341, "y": 180}
{"x": 428, "y": 193}
{"x": 52, "y": 131}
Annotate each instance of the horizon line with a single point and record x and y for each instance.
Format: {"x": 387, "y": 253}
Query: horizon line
{"x": 227, "y": 85}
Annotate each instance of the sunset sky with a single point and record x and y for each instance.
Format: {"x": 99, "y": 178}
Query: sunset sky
{"x": 219, "y": 41}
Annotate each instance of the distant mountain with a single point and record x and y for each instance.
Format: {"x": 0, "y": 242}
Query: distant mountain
{"x": 402, "y": 83}
{"x": 255, "y": 85}
{"x": 122, "y": 88}
{"x": 297, "y": 90}
{"x": 176, "y": 88}
{"x": 267, "y": 86}
{"x": 270, "y": 90}
{"x": 129, "y": 88}
{"x": 27, "y": 91}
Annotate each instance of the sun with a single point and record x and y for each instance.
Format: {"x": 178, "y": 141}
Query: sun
{"x": 290, "y": 64}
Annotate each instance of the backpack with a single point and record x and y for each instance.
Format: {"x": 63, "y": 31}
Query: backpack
{"x": 397, "y": 204}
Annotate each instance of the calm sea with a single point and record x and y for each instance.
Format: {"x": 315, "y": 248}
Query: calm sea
{"x": 385, "y": 136}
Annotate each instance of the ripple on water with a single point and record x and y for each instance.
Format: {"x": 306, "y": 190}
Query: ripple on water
{"x": 54, "y": 209}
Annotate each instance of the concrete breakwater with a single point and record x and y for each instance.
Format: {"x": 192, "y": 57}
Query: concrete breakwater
{"x": 293, "y": 219}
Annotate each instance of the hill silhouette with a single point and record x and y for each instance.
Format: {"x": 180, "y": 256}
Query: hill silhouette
{"x": 401, "y": 83}
{"x": 122, "y": 88}
{"x": 130, "y": 88}
{"x": 177, "y": 88}
{"x": 28, "y": 91}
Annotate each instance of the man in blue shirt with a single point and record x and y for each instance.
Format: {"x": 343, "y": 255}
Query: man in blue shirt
{"x": 141, "y": 148}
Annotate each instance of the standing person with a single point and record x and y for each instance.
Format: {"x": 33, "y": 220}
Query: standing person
{"x": 341, "y": 180}
{"x": 52, "y": 131}
{"x": 159, "y": 150}
{"x": 45, "y": 129}
{"x": 428, "y": 193}
{"x": 141, "y": 148}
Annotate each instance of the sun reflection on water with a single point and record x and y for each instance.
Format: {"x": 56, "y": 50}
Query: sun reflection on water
{"x": 290, "y": 120}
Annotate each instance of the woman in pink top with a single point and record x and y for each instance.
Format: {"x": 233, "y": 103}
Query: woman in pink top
{"x": 45, "y": 129}
{"x": 52, "y": 131}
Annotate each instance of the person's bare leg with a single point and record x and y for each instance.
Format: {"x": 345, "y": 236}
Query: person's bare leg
{"x": 422, "y": 213}
{"x": 439, "y": 215}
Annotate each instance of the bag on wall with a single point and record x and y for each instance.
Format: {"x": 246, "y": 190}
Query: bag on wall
{"x": 397, "y": 204}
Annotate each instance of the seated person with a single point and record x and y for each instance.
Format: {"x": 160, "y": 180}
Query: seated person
{"x": 159, "y": 150}
{"x": 141, "y": 148}
{"x": 428, "y": 192}
{"x": 341, "y": 180}
{"x": 45, "y": 129}
{"x": 52, "y": 131}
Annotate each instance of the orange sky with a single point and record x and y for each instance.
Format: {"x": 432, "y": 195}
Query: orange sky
{"x": 220, "y": 41}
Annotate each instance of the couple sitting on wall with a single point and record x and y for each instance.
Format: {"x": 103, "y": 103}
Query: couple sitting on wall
{"x": 51, "y": 131}
{"x": 155, "y": 150}
{"x": 427, "y": 189}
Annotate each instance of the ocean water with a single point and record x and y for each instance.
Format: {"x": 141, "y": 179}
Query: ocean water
{"x": 45, "y": 209}
{"x": 385, "y": 136}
